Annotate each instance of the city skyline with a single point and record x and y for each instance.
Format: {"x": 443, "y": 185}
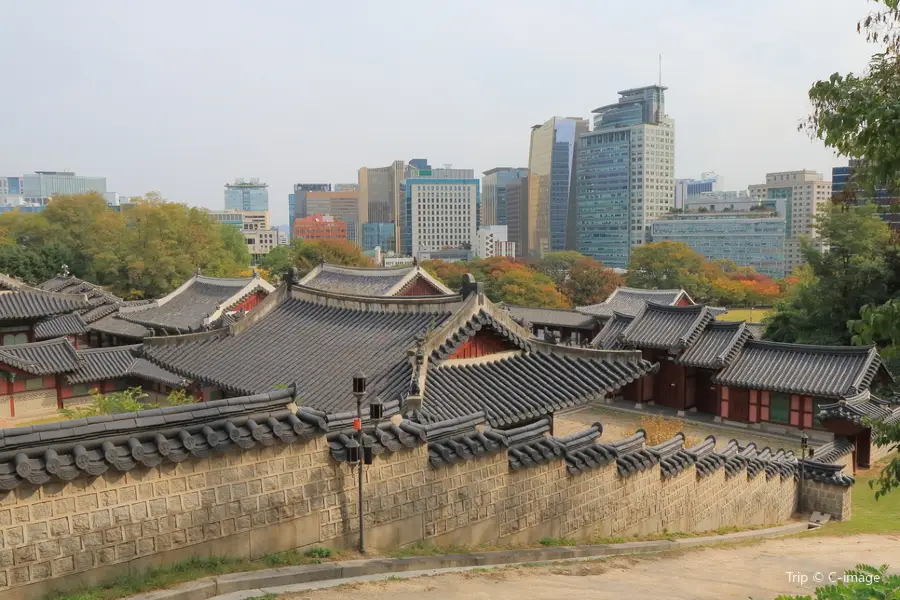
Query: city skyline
{"x": 174, "y": 130}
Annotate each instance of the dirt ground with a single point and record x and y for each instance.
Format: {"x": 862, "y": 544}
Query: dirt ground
{"x": 758, "y": 571}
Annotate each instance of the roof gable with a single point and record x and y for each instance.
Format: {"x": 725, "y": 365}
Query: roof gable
{"x": 609, "y": 336}
{"x": 820, "y": 371}
{"x": 362, "y": 281}
{"x": 61, "y": 326}
{"x": 31, "y": 303}
{"x": 630, "y": 301}
{"x": 717, "y": 346}
{"x": 195, "y": 304}
{"x": 666, "y": 327}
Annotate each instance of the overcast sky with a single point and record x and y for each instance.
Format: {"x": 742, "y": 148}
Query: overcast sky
{"x": 181, "y": 97}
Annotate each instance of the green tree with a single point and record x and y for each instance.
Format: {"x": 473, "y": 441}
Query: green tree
{"x": 857, "y": 114}
{"x": 590, "y": 282}
{"x": 526, "y": 287}
{"x": 126, "y": 401}
{"x": 853, "y": 272}
{"x": 448, "y": 273}
{"x": 308, "y": 254}
{"x": 277, "y": 262}
{"x": 235, "y": 244}
{"x": 557, "y": 265}
{"x": 666, "y": 265}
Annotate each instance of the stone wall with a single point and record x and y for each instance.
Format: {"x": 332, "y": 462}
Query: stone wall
{"x": 36, "y": 403}
{"x": 825, "y": 498}
{"x": 256, "y": 502}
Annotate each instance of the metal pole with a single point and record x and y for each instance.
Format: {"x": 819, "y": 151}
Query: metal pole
{"x": 362, "y": 547}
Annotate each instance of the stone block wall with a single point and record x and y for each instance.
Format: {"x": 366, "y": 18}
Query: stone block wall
{"x": 30, "y": 404}
{"x": 825, "y": 498}
{"x": 256, "y": 502}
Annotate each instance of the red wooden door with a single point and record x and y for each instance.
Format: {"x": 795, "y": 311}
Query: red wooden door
{"x": 739, "y": 404}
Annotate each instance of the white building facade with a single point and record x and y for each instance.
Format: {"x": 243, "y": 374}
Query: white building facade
{"x": 797, "y": 196}
{"x": 441, "y": 214}
{"x": 492, "y": 240}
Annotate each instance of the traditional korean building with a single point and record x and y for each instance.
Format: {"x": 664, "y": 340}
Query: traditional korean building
{"x": 630, "y": 301}
{"x": 853, "y": 420}
{"x": 392, "y": 281}
{"x": 563, "y": 325}
{"x": 431, "y": 358}
{"x": 789, "y": 384}
{"x": 68, "y": 284}
{"x": 40, "y": 378}
{"x": 25, "y": 312}
{"x": 722, "y": 368}
{"x": 198, "y": 304}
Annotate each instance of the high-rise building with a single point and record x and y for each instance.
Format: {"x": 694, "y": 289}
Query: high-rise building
{"x": 624, "y": 175}
{"x": 493, "y": 193}
{"x": 797, "y": 196}
{"x": 343, "y": 205}
{"x": 39, "y": 187}
{"x": 440, "y": 214}
{"x": 379, "y": 190}
{"x": 346, "y": 187}
{"x": 377, "y": 235}
{"x": 297, "y": 201}
{"x": 246, "y": 195}
{"x": 492, "y": 240}
{"x": 517, "y": 214}
{"x": 550, "y": 171}
{"x": 319, "y": 227}
{"x": 688, "y": 188}
{"x": 748, "y": 239}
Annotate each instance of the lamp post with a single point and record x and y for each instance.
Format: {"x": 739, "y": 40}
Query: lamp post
{"x": 804, "y": 443}
{"x": 359, "y": 390}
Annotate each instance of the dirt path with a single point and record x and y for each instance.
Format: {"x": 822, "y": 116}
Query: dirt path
{"x": 757, "y": 571}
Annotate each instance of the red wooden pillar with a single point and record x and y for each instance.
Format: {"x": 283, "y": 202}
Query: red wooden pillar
{"x": 723, "y": 404}
{"x": 11, "y": 377}
{"x": 753, "y": 416}
{"x": 59, "y": 399}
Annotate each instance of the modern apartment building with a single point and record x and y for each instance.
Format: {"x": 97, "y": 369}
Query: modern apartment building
{"x": 379, "y": 190}
{"x": 517, "y": 214}
{"x": 624, "y": 175}
{"x": 732, "y": 200}
{"x": 342, "y": 205}
{"x": 746, "y": 238}
{"x": 493, "y": 193}
{"x": 37, "y": 188}
{"x": 440, "y": 215}
{"x": 550, "y": 170}
{"x": 246, "y": 195}
{"x": 797, "y": 196}
{"x": 320, "y": 227}
{"x": 260, "y": 242}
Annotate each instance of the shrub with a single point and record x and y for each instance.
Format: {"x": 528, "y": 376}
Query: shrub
{"x": 318, "y": 552}
{"x": 179, "y": 397}
{"x": 113, "y": 403}
{"x": 660, "y": 429}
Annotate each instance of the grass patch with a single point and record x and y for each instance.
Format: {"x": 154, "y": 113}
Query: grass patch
{"x": 423, "y": 549}
{"x": 548, "y": 541}
{"x": 189, "y": 570}
{"x": 751, "y": 315}
{"x": 867, "y": 515}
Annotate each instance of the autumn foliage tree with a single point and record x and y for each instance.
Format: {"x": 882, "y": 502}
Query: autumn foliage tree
{"x": 305, "y": 255}
{"x": 590, "y": 282}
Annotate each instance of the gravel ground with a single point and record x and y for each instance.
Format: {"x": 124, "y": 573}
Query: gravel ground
{"x": 758, "y": 571}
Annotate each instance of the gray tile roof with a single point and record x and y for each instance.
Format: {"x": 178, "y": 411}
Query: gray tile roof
{"x": 717, "y": 346}
{"x": 522, "y": 387}
{"x": 608, "y": 338}
{"x": 666, "y": 327}
{"x": 113, "y": 325}
{"x": 68, "y": 284}
{"x": 360, "y": 281}
{"x": 630, "y": 301}
{"x": 554, "y": 317}
{"x": 10, "y": 283}
{"x": 64, "y": 450}
{"x": 862, "y": 410}
{"x": 61, "y": 326}
{"x": 41, "y": 358}
{"x": 188, "y": 309}
{"x": 318, "y": 347}
{"x": 757, "y": 330}
{"x": 31, "y": 303}
{"x": 98, "y": 364}
{"x": 481, "y": 320}
{"x": 820, "y": 371}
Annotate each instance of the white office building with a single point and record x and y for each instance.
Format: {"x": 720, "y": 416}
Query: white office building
{"x": 797, "y": 195}
{"x": 39, "y": 187}
{"x": 440, "y": 215}
{"x": 492, "y": 240}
